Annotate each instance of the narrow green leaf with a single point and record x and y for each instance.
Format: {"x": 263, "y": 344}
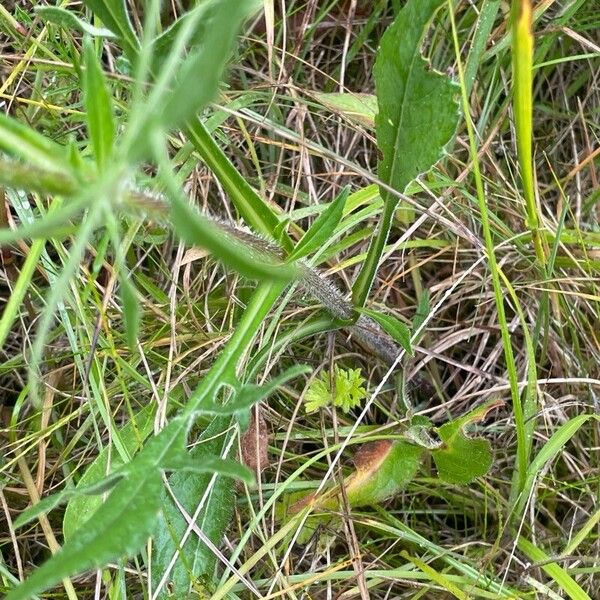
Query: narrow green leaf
{"x": 98, "y": 106}
{"x": 113, "y": 13}
{"x": 251, "y": 207}
{"x": 212, "y": 464}
{"x": 132, "y": 435}
{"x": 18, "y": 175}
{"x": 485, "y": 23}
{"x": 552, "y": 569}
{"x": 53, "y": 224}
{"x": 392, "y": 326}
{"x": 193, "y": 228}
{"x": 422, "y": 312}
{"x": 200, "y": 74}
{"x": 66, "y": 18}
{"x": 23, "y": 142}
{"x": 249, "y": 394}
{"x": 322, "y": 229}
{"x": 417, "y": 118}
{"x": 47, "y": 504}
{"x": 131, "y": 310}
{"x": 163, "y": 43}
{"x": 549, "y": 452}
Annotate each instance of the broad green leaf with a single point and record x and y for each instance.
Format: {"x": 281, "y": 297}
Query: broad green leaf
{"x": 418, "y": 111}
{"x": 383, "y": 469}
{"x": 194, "y": 559}
{"x": 322, "y": 229}
{"x": 417, "y": 118}
{"x": 392, "y": 326}
{"x": 131, "y": 310}
{"x": 98, "y": 107}
{"x": 132, "y": 435}
{"x": 23, "y": 142}
{"x": 193, "y": 228}
{"x": 360, "y": 108}
{"x": 113, "y": 13}
{"x": 461, "y": 459}
{"x": 198, "y": 77}
{"x": 66, "y": 18}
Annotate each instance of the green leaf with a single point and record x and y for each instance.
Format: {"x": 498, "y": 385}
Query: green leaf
{"x": 198, "y": 77}
{"x": 121, "y": 525}
{"x": 213, "y": 464}
{"x": 552, "y": 569}
{"x": 47, "y": 504}
{"x": 360, "y": 108}
{"x": 23, "y": 142}
{"x": 113, "y": 13}
{"x": 417, "y": 118}
{"x": 252, "y": 208}
{"x": 53, "y": 224}
{"x": 193, "y": 228}
{"x": 194, "y": 559}
{"x": 65, "y": 18}
{"x": 423, "y": 310}
{"x": 322, "y": 229}
{"x": 131, "y": 310}
{"x": 392, "y": 326}
{"x": 131, "y": 436}
{"x": 383, "y": 469}
{"x": 248, "y": 395}
{"x": 98, "y": 106}
{"x": 164, "y": 42}
{"x": 418, "y": 111}
{"x": 461, "y": 459}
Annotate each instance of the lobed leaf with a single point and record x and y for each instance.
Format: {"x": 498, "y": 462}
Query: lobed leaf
{"x": 120, "y": 525}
